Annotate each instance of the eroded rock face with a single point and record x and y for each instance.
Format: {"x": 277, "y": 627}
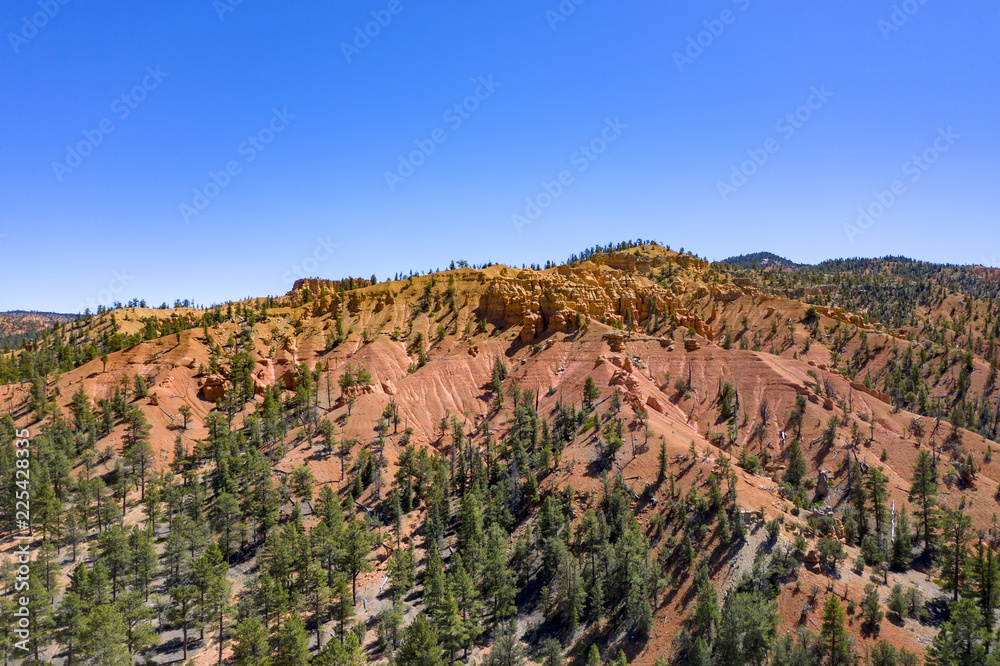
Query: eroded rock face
{"x": 264, "y": 376}
{"x": 631, "y": 391}
{"x": 542, "y": 301}
{"x": 872, "y": 392}
{"x": 354, "y": 392}
{"x": 213, "y": 388}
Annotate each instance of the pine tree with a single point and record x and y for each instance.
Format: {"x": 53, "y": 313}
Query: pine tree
{"x": 553, "y": 653}
{"x": 70, "y": 620}
{"x": 870, "y": 606}
{"x": 346, "y": 653}
{"x": 706, "y": 613}
{"x": 859, "y": 500}
{"x": 292, "y": 644}
{"x": 663, "y": 461}
{"x": 358, "y": 544}
{"x": 340, "y": 590}
{"x": 957, "y": 531}
{"x": 498, "y": 580}
{"x": 796, "y": 465}
{"x": 217, "y": 603}
{"x": 923, "y": 490}
{"x": 700, "y": 654}
{"x": 833, "y": 632}
{"x": 138, "y": 619}
{"x": 897, "y": 601}
{"x": 594, "y": 656}
{"x": 184, "y": 600}
{"x": 748, "y": 627}
{"x": 987, "y": 578}
{"x": 114, "y": 552}
{"x": 506, "y": 651}
{"x": 590, "y": 393}
{"x": 73, "y": 532}
{"x": 420, "y": 645}
{"x": 451, "y": 628}
{"x": 250, "y": 646}
{"x": 434, "y": 580}
{"x": 960, "y": 642}
{"x": 143, "y": 559}
{"x": 103, "y": 639}
{"x": 877, "y": 486}
{"x": 317, "y": 596}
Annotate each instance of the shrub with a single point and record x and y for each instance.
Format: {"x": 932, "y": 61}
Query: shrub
{"x": 870, "y": 607}
{"x": 897, "y": 601}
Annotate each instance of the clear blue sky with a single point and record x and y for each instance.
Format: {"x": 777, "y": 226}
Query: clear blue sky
{"x": 669, "y": 128}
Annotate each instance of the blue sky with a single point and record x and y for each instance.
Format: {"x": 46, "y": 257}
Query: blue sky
{"x": 252, "y": 142}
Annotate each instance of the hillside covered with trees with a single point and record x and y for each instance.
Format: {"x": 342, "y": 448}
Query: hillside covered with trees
{"x": 633, "y": 456}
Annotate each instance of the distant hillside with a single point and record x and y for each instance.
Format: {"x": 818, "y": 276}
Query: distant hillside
{"x": 761, "y": 260}
{"x": 582, "y": 458}
{"x": 19, "y": 324}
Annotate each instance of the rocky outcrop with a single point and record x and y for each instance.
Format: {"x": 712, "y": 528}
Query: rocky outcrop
{"x": 531, "y": 326}
{"x": 840, "y": 315}
{"x": 616, "y": 341}
{"x": 354, "y": 392}
{"x": 872, "y": 392}
{"x": 264, "y": 376}
{"x": 570, "y": 295}
{"x": 213, "y": 388}
{"x": 631, "y": 392}
{"x": 317, "y": 286}
{"x": 823, "y": 483}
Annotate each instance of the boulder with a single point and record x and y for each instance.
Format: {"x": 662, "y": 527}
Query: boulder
{"x": 823, "y": 483}
{"x": 213, "y": 387}
{"x": 616, "y": 341}
{"x": 388, "y": 387}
